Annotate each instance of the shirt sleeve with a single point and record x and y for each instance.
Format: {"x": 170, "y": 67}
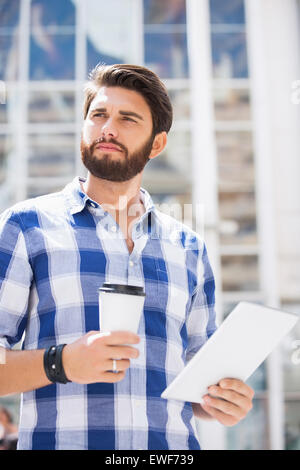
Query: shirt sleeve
{"x": 15, "y": 279}
{"x": 201, "y": 322}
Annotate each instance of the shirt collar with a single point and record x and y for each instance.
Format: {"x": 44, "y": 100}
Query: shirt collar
{"x": 77, "y": 199}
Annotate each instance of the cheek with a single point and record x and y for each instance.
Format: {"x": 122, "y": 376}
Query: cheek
{"x": 89, "y": 133}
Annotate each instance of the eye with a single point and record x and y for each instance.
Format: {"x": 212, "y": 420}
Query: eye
{"x": 126, "y": 118}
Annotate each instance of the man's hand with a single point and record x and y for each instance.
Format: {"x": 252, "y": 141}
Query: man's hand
{"x": 230, "y": 403}
{"x": 90, "y": 358}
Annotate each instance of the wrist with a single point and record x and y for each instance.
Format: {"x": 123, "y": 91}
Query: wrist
{"x": 66, "y": 355}
{"x": 53, "y": 364}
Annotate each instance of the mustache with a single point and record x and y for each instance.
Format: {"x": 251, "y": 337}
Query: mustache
{"x": 102, "y": 140}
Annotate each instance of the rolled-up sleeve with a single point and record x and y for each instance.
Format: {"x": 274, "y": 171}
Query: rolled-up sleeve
{"x": 201, "y": 322}
{"x": 15, "y": 279}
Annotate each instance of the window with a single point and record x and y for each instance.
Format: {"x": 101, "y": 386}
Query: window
{"x": 110, "y": 32}
{"x": 165, "y": 38}
{"x": 51, "y": 157}
{"x": 52, "y": 40}
{"x": 9, "y": 39}
{"x": 51, "y": 106}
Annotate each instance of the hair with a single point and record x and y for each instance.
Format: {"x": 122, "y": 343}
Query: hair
{"x": 136, "y": 78}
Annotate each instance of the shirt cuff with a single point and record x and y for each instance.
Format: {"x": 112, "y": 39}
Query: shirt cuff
{"x": 4, "y": 343}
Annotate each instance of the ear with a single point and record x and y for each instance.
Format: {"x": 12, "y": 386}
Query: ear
{"x": 159, "y": 143}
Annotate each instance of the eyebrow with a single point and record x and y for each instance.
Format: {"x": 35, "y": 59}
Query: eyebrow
{"x": 123, "y": 113}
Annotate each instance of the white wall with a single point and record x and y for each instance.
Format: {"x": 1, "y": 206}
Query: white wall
{"x": 274, "y": 64}
{"x": 285, "y": 69}
{"x": 282, "y": 47}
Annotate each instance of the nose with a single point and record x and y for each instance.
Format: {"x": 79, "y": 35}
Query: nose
{"x": 109, "y": 129}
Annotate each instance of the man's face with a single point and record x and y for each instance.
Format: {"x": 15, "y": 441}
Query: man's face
{"x": 117, "y": 134}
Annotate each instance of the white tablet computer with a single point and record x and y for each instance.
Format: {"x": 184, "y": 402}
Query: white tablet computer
{"x": 240, "y": 344}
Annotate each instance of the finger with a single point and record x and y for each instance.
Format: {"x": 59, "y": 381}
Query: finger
{"x": 223, "y": 418}
{"x": 231, "y": 396}
{"x": 122, "y": 364}
{"x": 121, "y": 337}
{"x": 224, "y": 406}
{"x": 96, "y": 335}
{"x": 112, "y": 377}
{"x": 238, "y": 386}
{"x": 122, "y": 352}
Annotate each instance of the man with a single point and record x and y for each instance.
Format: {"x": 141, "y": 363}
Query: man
{"x": 58, "y": 249}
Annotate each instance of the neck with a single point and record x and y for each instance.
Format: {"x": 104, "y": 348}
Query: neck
{"x": 113, "y": 196}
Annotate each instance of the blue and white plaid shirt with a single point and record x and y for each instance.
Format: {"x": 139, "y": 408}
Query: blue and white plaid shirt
{"x": 55, "y": 252}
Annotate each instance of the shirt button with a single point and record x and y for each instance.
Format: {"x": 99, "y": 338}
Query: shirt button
{"x": 131, "y": 263}
{"x": 113, "y": 228}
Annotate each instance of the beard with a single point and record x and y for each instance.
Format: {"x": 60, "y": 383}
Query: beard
{"x": 106, "y": 167}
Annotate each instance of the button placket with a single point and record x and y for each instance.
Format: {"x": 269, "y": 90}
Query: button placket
{"x": 134, "y": 272}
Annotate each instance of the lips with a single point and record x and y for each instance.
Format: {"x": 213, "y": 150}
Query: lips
{"x": 108, "y": 147}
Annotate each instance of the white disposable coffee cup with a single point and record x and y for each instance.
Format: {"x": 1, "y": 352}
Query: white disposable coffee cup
{"x": 120, "y": 307}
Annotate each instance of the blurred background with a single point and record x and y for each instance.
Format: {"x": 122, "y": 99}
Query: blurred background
{"x": 232, "y": 69}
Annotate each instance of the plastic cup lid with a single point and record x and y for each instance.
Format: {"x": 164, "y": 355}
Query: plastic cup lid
{"x": 122, "y": 289}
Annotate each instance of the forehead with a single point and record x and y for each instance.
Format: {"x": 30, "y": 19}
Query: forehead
{"x": 121, "y": 98}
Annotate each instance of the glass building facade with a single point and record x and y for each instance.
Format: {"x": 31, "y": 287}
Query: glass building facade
{"x": 47, "y": 51}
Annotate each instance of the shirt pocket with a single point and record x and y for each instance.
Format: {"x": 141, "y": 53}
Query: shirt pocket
{"x": 172, "y": 290}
